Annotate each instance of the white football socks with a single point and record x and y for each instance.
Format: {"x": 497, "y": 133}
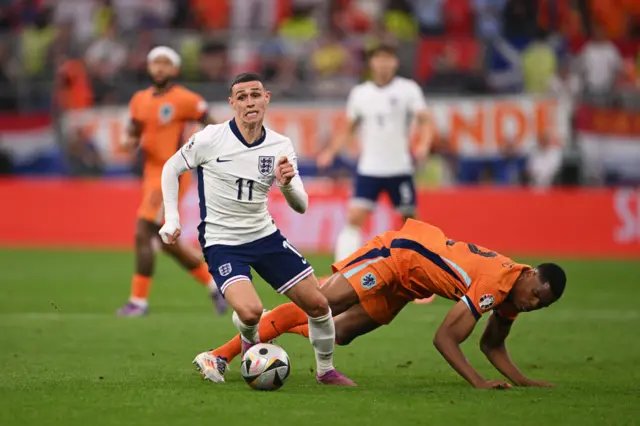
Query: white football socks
{"x": 349, "y": 240}
{"x": 213, "y": 288}
{"x": 322, "y": 334}
{"x": 248, "y": 332}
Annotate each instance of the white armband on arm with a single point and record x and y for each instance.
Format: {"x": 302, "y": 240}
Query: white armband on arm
{"x": 295, "y": 194}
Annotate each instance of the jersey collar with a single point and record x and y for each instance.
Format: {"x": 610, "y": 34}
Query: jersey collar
{"x": 236, "y": 132}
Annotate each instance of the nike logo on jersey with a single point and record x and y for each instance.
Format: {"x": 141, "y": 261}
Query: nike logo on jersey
{"x": 219, "y": 160}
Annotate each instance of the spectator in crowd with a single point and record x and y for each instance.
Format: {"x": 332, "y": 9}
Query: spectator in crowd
{"x": 600, "y": 63}
{"x": 400, "y": 21}
{"x": 488, "y": 17}
{"x": 82, "y": 155}
{"x": 539, "y": 64}
{"x": 136, "y": 64}
{"x": 105, "y": 59}
{"x": 252, "y": 15}
{"x": 213, "y": 62}
{"x": 36, "y": 40}
{"x": 72, "y": 85}
{"x": 519, "y": 18}
{"x": 103, "y": 16}
{"x": 348, "y": 18}
{"x": 543, "y": 164}
{"x": 331, "y": 66}
{"x": 430, "y": 15}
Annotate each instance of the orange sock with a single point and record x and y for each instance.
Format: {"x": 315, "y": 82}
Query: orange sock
{"x": 229, "y": 350}
{"x": 283, "y": 319}
{"x": 140, "y": 287}
{"x": 302, "y": 330}
{"x": 201, "y": 273}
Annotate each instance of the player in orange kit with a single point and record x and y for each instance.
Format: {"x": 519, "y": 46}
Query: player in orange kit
{"x": 371, "y": 286}
{"x": 158, "y": 118}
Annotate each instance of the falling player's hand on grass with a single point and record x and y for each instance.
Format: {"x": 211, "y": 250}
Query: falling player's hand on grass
{"x": 170, "y": 233}
{"x": 284, "y": 171}
{"x": 493, "y": 384}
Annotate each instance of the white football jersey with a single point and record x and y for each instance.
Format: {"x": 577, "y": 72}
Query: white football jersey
{"x": 234, "y": 179}
{"x": 385, "y": 115}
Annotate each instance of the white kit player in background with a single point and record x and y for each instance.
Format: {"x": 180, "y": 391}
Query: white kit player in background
{"x": 383, "y": 111}
{"x": 237, "y": 163}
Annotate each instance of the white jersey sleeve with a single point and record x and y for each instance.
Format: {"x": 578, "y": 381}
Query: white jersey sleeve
{"x": 415, "y": 97}
{"x": 191, "y": 155}
{"x": 354, "y": 112}
{"x": 294, "y": 192}
{"x": 194, "y": 152}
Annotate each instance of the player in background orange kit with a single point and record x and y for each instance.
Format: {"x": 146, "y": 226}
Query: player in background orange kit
{"x": 158, "y": 118}
{"x": 371, "y": 286}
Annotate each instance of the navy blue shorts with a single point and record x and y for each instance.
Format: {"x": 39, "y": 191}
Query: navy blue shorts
{"x": 400, "y": 189}
{"x": 272, "y": 257}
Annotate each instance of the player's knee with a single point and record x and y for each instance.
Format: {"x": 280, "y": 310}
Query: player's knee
{"x": 250, "y": 314}
{"x": 316, "y": 305}
{"x": 142, "y": 236}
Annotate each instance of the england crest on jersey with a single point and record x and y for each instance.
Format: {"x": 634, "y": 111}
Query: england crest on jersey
{"x": 225, "y": 269}
{"x": 265, "y": 164}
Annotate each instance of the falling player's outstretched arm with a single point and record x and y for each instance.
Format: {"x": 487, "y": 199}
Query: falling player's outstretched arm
{"x": 493, "y": 346}
{"x": 456, "y": 327}
{"x": 290, "y": 183}
{"x": 189, "y": 156}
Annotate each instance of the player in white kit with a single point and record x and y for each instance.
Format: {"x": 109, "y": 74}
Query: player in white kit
{"x": 237, "y": 162}
{"x": 383, "y": 110}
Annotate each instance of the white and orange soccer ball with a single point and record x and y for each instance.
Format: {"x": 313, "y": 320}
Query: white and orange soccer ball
{"x": 265, "y": 367}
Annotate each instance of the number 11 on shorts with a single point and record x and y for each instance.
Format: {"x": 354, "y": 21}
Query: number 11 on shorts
{"x": 286, "y": 245}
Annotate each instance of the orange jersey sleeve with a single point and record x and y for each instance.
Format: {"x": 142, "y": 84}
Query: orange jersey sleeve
{"x": 194, "y": 107}
{"x": 135, "y": 106}
{"x": 490, "y": 289}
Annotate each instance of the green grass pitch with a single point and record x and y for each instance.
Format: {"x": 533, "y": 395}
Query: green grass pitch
{"x": 65, "y": 359}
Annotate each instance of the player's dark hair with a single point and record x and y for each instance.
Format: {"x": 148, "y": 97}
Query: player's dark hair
{"x": 555, "y": 276}
{"x": 245, "y": 77}
{"x": 381, "y": 48}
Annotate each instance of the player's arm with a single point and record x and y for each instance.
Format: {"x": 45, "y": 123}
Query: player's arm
{"x": 493, "y": 346}
{"x": 456, "y": 327}
{"x": 132, "y": 134}
{"x": 290, "y": 183}
{"x": 134, "y": 128}
{"x": 344, "y": 137}
{"x": 424, "y": 122}
{"x": 426, "y": 134}
{"x": 187, "y": 157}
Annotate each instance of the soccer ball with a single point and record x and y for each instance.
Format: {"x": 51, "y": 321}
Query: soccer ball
{"x": 265, "y": 367}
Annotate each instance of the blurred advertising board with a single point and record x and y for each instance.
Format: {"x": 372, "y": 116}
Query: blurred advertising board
{"x": 472, "y": 127}
{"x": 563, "y": 222}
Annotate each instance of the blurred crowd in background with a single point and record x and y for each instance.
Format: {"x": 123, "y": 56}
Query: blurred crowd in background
{"x": 95, "y": 50}
{"x": 58, "y": 55}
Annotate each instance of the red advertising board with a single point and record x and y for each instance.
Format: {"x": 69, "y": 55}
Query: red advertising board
{"x": 571, "y": 222}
